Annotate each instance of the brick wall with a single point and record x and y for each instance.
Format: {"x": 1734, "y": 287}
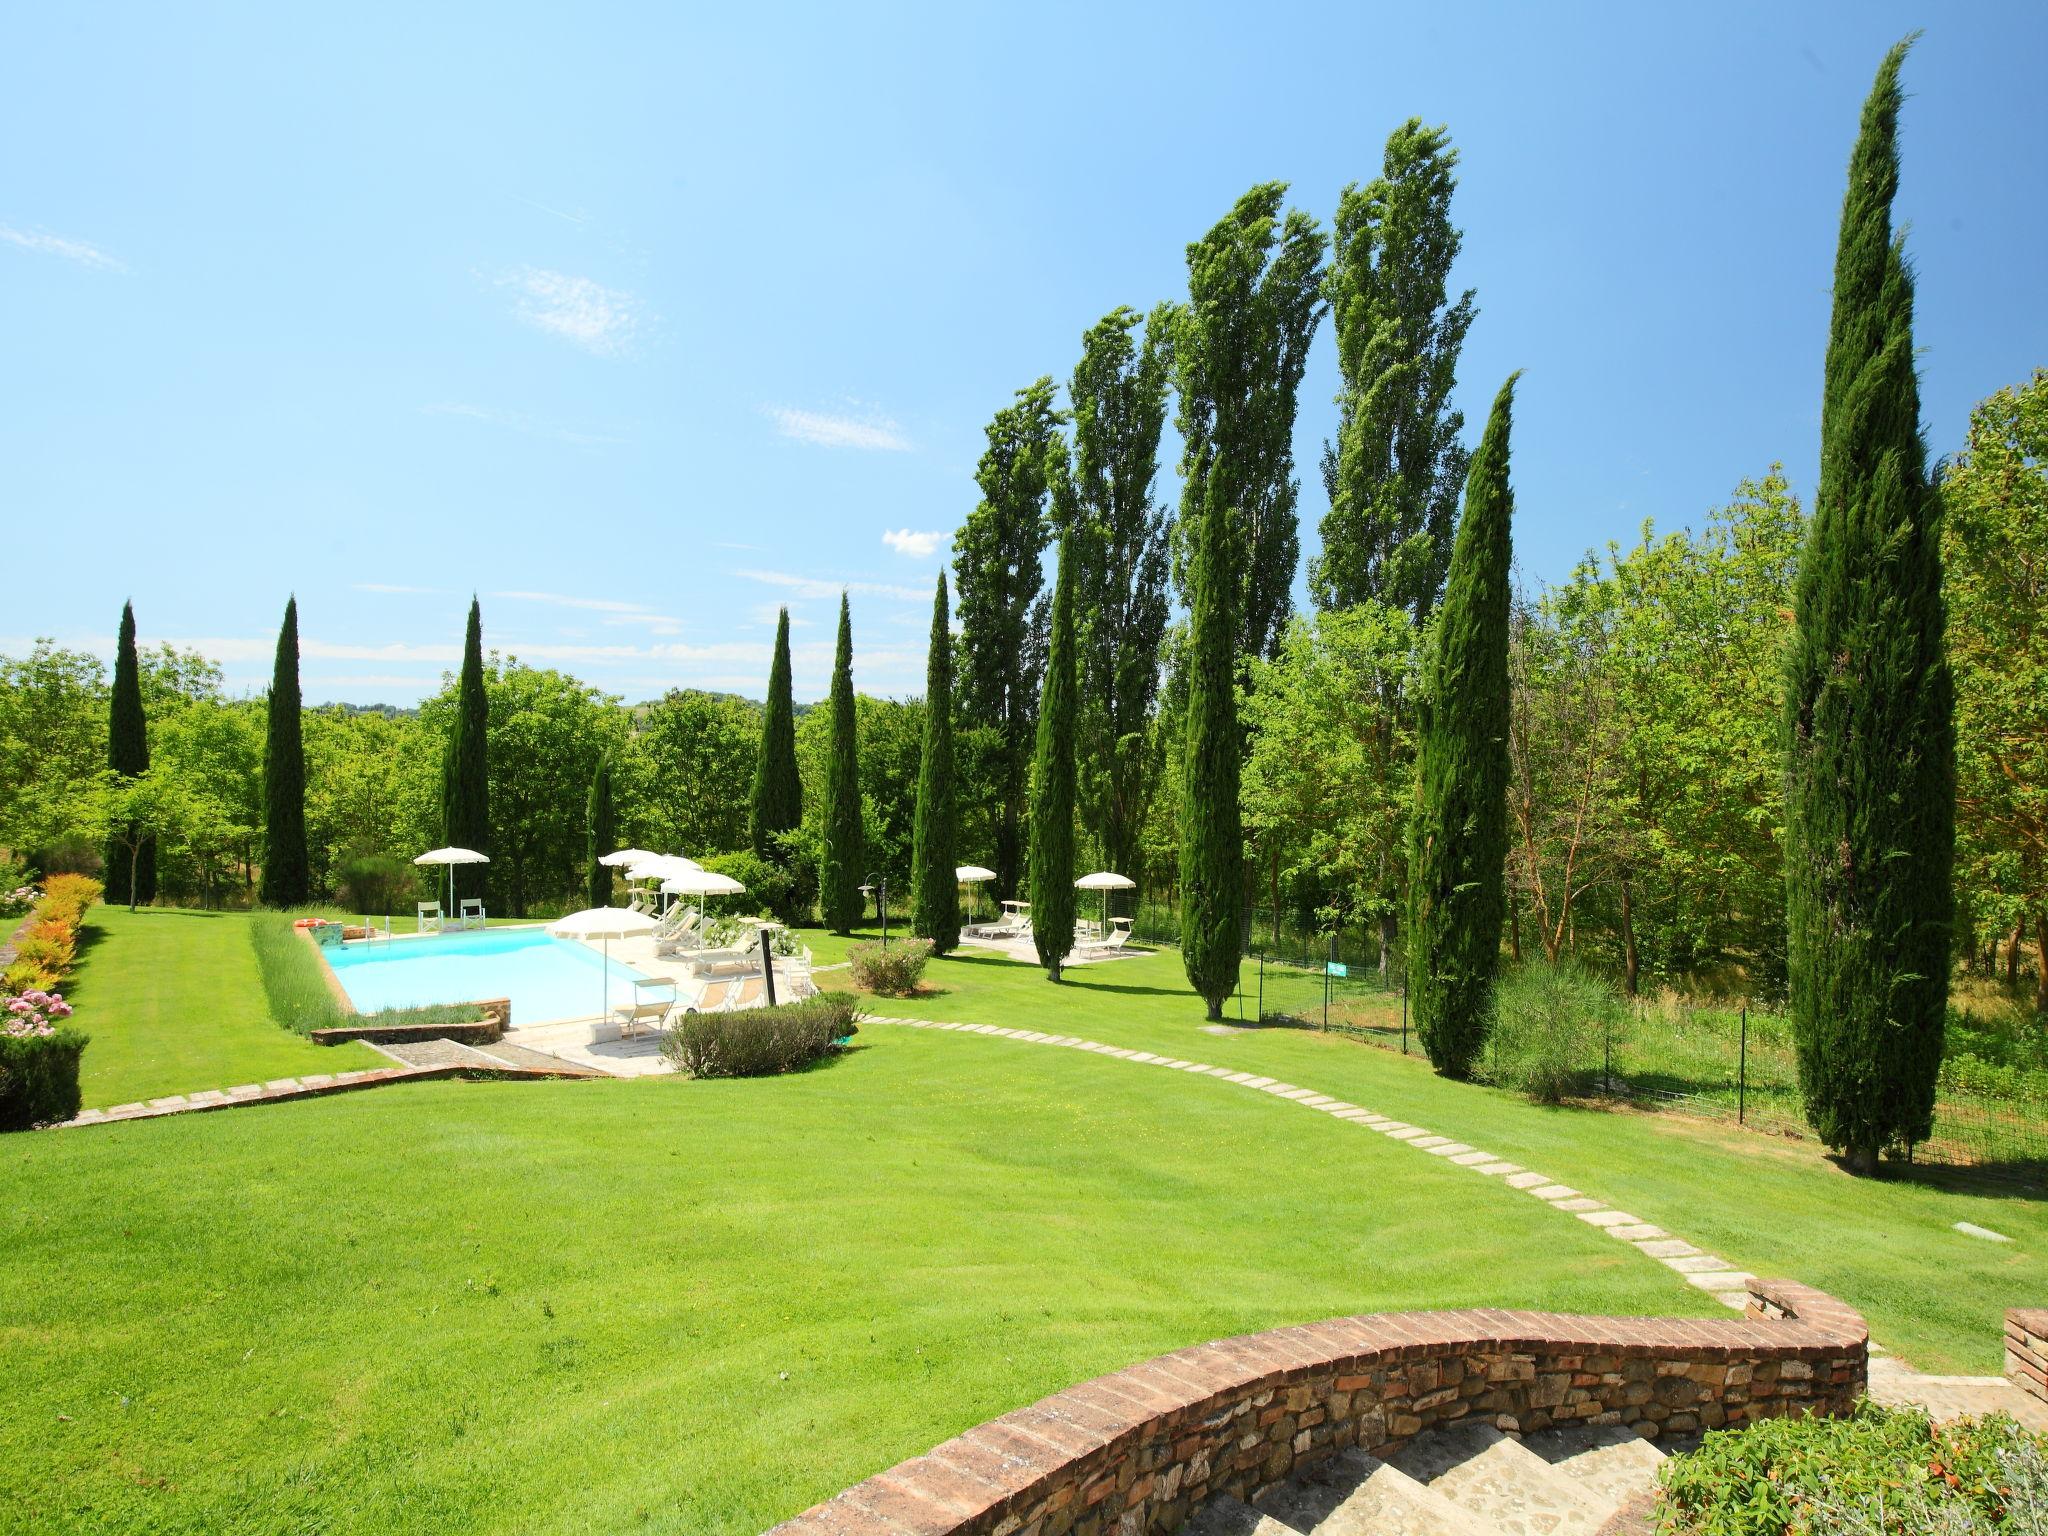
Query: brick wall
{"x": 1135, "y": 1452}
{"x": 2026, "y": 1350}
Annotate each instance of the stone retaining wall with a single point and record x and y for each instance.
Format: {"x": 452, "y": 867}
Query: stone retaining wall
{"x": 1135, "y": 1452}
{"x": 2026, "y": 1350}
{"x": 497, "y": 1018}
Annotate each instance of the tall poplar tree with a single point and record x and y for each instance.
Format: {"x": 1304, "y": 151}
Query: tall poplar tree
{"x": 1459, "y": 835}
{"x": 287, "y": 879}
{"x": 128, "y": 756}
{"x": 842, "y": 853}
{"x": 1052, "y": 784}
{"x": 1869, "y": 705}
{"x": 601, "y": 831}
{"x": 935, "y": 895}
{"x": 997, "y": 574}
{"x": 465, "y": 779}
{"x": 1212, "y": 840}
{"x": 1239, "y": 347}
{"x": 778, "y": 799}
{"x": 1117, "y": 534}
{"x": 1397, "y": 466}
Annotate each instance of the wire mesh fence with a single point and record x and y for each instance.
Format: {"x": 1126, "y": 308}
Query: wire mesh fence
{"x": 1733, "y": 1062}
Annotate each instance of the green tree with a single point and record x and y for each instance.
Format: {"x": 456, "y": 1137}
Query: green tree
{"x": 1211, "y": 840}
{"x": 600, "y": 821}
{"x": 1869, "y": 728}
{"x": 701, "y": 750}
{"x": 935, "y": 895}
{"x": 466, "y": 776}
{"x": 130, "y": 857}
{"x": 1239, "y": 347}
{"x": 53, "y": 742}
{"x": 1395, "y": 471}
{"x": 842, "y": 851}
{"x": 1995, "y": 579}
{"x": 1118, "y": 536}
{"x": 1052, "y": 785}
{"x": 286, "y": 879}
{"x": 777, "y": 803}
{"x": 1458, "y": 837}
{"x": 997, "y": 572}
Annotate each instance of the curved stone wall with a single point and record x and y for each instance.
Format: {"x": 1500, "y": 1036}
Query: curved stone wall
{"x": 1134, "y": 1452}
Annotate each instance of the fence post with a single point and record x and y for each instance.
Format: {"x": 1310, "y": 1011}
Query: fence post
{"x": 1742, "y": 1072}
{"x": 1404, "y": 1013}
{"x": 1326, "y": 982}
{"x": 1262, "y": 986}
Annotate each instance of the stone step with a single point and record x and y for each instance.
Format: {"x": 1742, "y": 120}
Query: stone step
{"x": 1356, "y": 1494}
{"x": 1613, "y": 1464}
{"x": 1225, "y": 1516}
{"x": 1508, "y": 1487}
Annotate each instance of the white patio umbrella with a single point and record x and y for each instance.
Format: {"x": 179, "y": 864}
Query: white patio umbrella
{"x": 627, "y": 856}
{"x": 972, "y": 875}
{"x": 702, "y": 882}
{"x": 1105, "y": 881}
{"x": 605, "y": 924}
{"x": 452, "y": 857}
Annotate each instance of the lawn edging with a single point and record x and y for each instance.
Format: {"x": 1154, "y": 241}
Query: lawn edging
{"x": 1139, "y": 1449}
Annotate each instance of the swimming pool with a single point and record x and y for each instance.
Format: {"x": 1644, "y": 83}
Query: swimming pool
{"x": 546, "y": 978}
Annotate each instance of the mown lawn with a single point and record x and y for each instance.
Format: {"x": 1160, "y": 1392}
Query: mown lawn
{"x": 676, "y": 1306}
{"x": 174, "y": 1003}
{"x": 1772, "y": 1205}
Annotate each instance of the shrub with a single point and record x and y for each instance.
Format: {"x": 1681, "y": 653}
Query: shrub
{"x": 759, "y": 1042}
{"x": 1881, "y": 1470}
{"x": 67, "y": 897}
{"x": 295, "y": 978}
{"x": 38, "y": 1062}
{"x": 377, "y": 883}
{"x": 769, "y": 886}
{"x": 47, "y": 945}
{"x": 1549, "y": 1026}
{"x": 28, "y": 976}
{"x": 891, "y": 970}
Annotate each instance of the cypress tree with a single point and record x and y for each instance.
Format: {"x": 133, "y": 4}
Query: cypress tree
{"x": 1459, "y": 836}
{"x": 600, "y": 820}
{"x": 1052, "y": 784}
{"x": 128, "y": 756}
{"x": 287, "y": 881}
{"x": 842, "y": 854}
{"x": 778, "y": 799}
{"x": 936, "y": 888}
{"x": 466, "y": 787}
{"x": 1870, "y": 735}
{"x": 1212, "y": 842}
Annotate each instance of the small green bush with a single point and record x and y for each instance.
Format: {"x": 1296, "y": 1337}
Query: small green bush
{"x": 39, "y": 1078}
{"x": 769, "y": 886}
{"x": 760, "y": 1042}
{"x": 1881, "y": 1472}
{"x": 1550, "y": 1024}
{"x": 891, "y": 970}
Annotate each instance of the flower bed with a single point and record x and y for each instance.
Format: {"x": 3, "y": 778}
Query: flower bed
{"x": 43, "y": 957}
{"x": 38, "y": 1061}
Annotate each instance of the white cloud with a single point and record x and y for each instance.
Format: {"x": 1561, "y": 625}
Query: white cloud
{"x": 810, "y": 587}
{"x": 385, "y": 586}
{"x": 596, "y": 318}
{"x": 873, "y": 435}
{"x": 57, "y": 245}
{"x": 615, "y": 612}
{"x": 521, "y": 423}
{"x": 919, "y": 546}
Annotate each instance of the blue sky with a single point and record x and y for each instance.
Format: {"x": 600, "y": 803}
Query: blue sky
{"x": 639, "y": 321}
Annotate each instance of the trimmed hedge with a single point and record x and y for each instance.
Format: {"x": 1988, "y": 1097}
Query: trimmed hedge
{"x": 760, "y": 1042}
{"x": 39, "y": 1078}
{"x": 1883, "y": 1469}
{"x": 892, "y": 970}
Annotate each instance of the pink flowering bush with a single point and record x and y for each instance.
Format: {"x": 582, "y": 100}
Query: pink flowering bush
{"x": 34, "y": 1013}
{"x": 17, "y": 901}
{"x": 38, "y": 1061}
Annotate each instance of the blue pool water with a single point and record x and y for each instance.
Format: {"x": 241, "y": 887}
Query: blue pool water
{"x": 546, "y": 978}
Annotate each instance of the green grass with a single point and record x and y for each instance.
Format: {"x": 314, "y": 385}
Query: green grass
{"x": 1772, "y": 1205}
{"x": 680, "y": 1306}
{"x": 174, "y": 1002}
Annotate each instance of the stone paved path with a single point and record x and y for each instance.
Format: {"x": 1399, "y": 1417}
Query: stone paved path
{"x": 1944, "y": 1396}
